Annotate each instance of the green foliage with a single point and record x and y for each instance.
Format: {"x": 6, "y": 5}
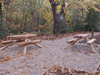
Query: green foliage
{"x": 3, "y": 30}
{"x": 77, "y": 21}
{"x": 26, "y": 13}
{"x": 92, "y": 18}
{"x": 63, "y": 27}
{"x": 88, "y": 28}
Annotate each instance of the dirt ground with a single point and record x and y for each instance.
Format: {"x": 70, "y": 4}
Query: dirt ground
{"x": 38, "y": 60}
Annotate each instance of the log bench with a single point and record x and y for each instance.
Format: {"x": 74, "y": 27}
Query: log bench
{"x": 90, "y": 42}
{"x": 27, "y": 42}
{"x": 70, "y": 42}
{"x": 6, "y": 42}
{"x": 82, "y": 36}
{"x": 21, "y": 40}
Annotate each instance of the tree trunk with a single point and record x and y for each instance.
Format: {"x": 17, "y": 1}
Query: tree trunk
{"x": 39, "y": 20}
{"x": 22, "y": 21}
{"x": 57, "y": 16}
{"x": 33, "y": 22}
{"x": 0, "y": 13}
{"x": 40, "y": 15}
{"x": 32, "y": 14}
{"x": 92, "y": 29}
{"x": 82, "y": 13}
{"x": 25, "y": 24}
{"x": 56, "y": 22}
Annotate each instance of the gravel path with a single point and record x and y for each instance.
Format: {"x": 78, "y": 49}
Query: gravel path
{"x": 38, "y": 60}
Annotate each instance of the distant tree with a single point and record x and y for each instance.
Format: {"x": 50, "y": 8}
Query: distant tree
{"x": 92, "y": 19}
{"x": 0, "y": 12}
{"x": 3, "y": 30}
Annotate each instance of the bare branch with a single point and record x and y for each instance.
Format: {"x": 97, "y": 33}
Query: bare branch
{"x": 68, "y": 6}
{"x": 63, "y": 7}
{"x": 57, "y": 3}
{"x": 51, "y": 1}
{"x": 54, "y": 3}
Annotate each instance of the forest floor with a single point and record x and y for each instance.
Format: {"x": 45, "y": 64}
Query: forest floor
{"x": 39, "y": 60}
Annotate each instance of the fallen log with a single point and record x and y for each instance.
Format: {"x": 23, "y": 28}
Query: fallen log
{"x": 29, "y": 42}
{"x": 17, "y": 37}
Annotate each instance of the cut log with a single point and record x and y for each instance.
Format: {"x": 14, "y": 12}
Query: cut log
{"x": 90, "y": 44}
{"x": 2, "y": 48}
{"x": 95, "y": 44}
{"x": 91, "y": 41}
{"x": 81, "y": 35}
{"x": 17, "y": 37}
{"x": 25, "y": 47}
{"x": 71, "y": 40}
{"x": 29, "y": 42}
{"x": 38, "y": 45}
{"x": 75, "y": 41}
{"x": 92, "y": 48}
{"x": 6, "y": 42}
{"x": 66, "y": 46}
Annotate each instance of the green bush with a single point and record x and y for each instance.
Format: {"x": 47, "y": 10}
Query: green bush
{"x": 3, "y": 30}
{"x": 63, "y": 27}
{"x": 92, "y": 19}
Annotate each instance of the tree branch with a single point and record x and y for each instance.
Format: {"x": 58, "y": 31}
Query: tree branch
{"x": 51, "y": 1}
{"x": 68, "y": 6}
{"x": 54, "y": 3}
{"x": 63, "y": 7}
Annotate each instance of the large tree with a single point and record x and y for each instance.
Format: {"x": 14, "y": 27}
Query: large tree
{"x": 58, "y": 18}
{"x": 77, "y": 4}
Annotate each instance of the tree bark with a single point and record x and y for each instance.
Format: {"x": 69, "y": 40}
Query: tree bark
{"x": 25, "y": 24}
{"x": 57, "y": 16}
{"x": 29, "y": 42}
{"x": 92, "y": 29}
{"x": 0, "y": 13}
{"x": 40, "y": 16}
{"x": 32, "y": 14}
{"x": 33, "y": 22}
{"x": 82, "y": 17}
{"x": 18, "y": 37}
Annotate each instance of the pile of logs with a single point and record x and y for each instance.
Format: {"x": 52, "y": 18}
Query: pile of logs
{"x": 21, "y": 40}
